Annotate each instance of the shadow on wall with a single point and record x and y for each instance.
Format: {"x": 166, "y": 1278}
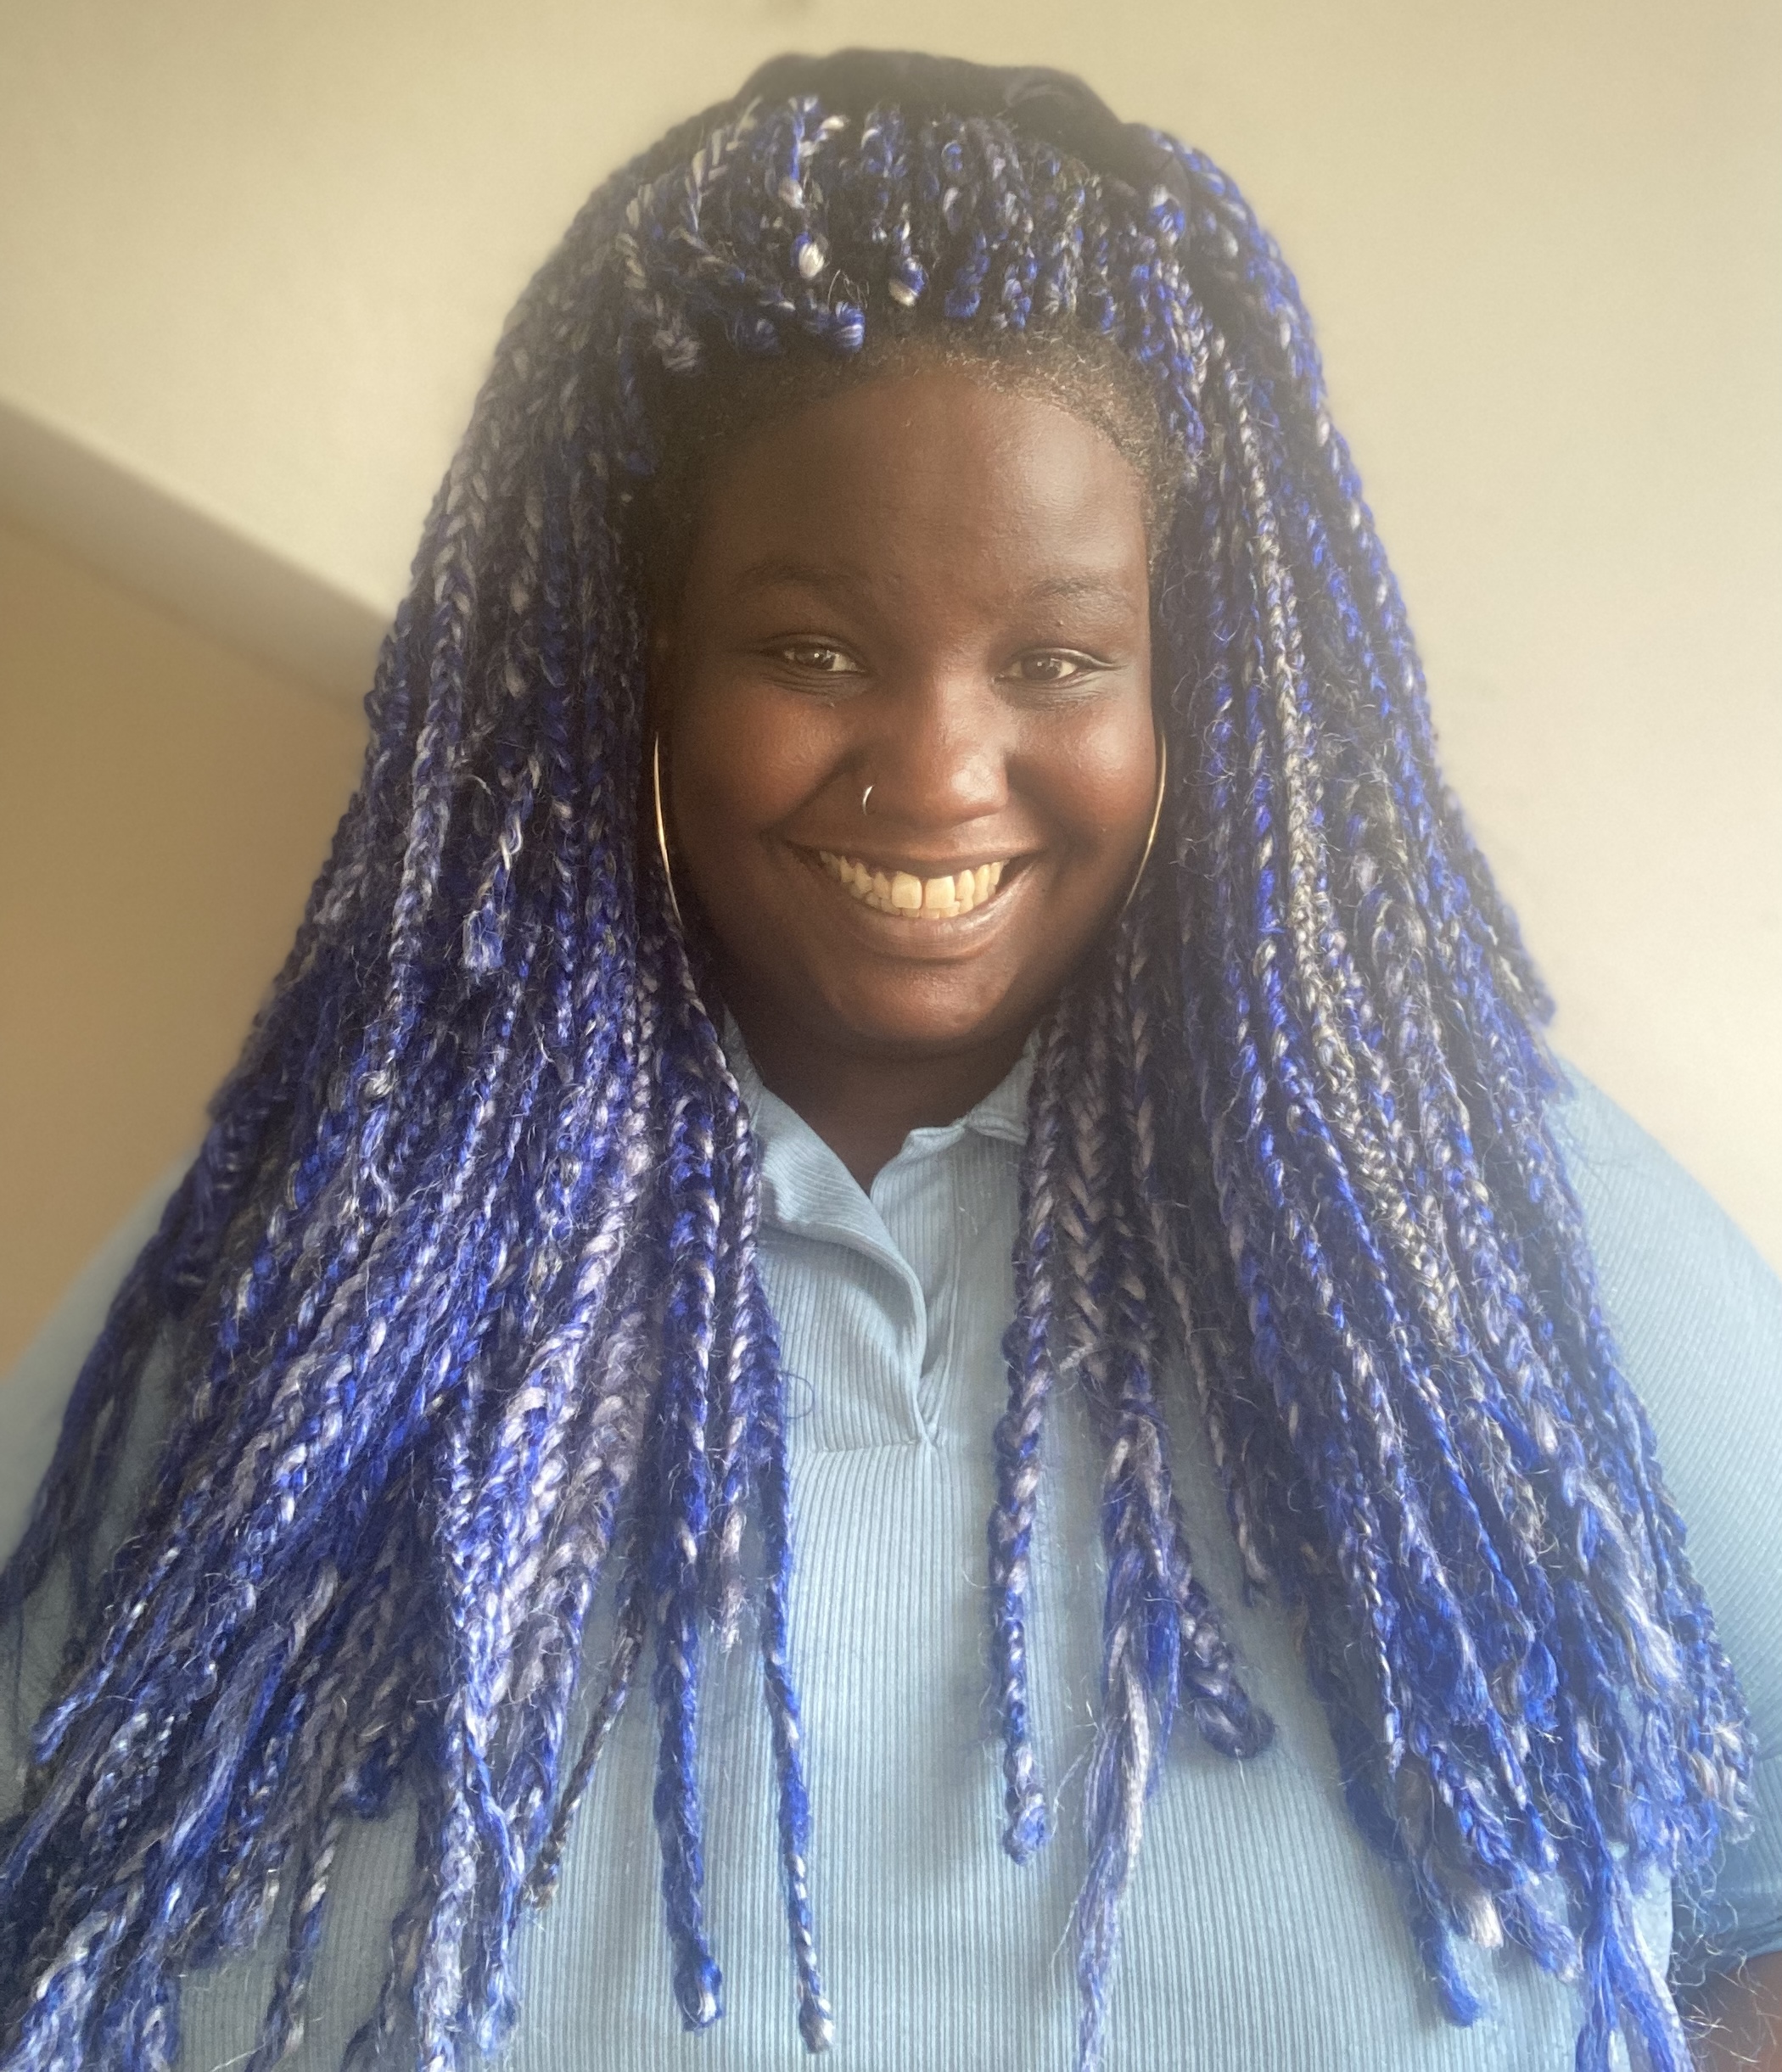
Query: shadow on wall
{"x": 165, "y": 803}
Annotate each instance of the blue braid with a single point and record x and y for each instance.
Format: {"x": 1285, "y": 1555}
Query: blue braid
{"x": 686, "y": 1494}
{"x": 1028, "y": 1351}
{"x": 815, "y": 2022}
{"x": 463, "y": 1292}
{"x": 1163, "y": 1639}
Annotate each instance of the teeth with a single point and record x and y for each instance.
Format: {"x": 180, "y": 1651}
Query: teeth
{"x": 913, "y": 898}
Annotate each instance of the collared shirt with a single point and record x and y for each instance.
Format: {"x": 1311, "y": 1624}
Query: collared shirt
{"x": 1259, "y": 1933}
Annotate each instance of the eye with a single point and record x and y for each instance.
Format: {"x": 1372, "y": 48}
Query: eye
{"x": 1054, "y": 668}
{"x": 815, "y": 659}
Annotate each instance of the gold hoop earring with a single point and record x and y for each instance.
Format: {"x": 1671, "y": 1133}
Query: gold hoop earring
{"x": 1156, "y": 815}
{"x": 662, "y": 833}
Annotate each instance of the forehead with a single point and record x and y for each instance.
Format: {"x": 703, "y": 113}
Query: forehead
{"x": 936, "y": 475}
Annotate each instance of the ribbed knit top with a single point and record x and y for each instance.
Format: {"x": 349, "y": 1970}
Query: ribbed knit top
{"x": 1260, "y": 1933}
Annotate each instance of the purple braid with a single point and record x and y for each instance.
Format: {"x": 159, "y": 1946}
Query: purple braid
{"x": 1027, "y": 1350}
{"x": 1162, "y": 1638}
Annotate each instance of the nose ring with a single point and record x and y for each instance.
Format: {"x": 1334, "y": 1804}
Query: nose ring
{"x": 865, "y": 796}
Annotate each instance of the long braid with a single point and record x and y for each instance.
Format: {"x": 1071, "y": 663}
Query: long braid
{"x": 684, "y": 1476}
{"x": 464, "y": 1298}
{"x": 1148, "y": 1312}
{"x": 1028, "y": 1351}
{"x": 815, "y": 2022}
{"x": 1163, "y": 1639}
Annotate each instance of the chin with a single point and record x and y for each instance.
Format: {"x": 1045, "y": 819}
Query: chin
{"x": 900, "y": 1025}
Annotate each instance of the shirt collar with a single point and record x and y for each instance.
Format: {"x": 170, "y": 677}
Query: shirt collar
{"x": 805, "y": 1185}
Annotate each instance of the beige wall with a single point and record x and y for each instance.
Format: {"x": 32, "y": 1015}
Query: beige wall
{"x": 164, "y": 805}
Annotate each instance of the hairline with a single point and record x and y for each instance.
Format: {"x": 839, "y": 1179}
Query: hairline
{"x": 706, "y": 415}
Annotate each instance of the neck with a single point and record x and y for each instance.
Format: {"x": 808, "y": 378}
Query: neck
{"x": 864, "y": 1104}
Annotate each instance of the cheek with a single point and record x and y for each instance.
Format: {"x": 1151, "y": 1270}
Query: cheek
{"x": 745, "y": 763}
{"x": 1103, "y": 782}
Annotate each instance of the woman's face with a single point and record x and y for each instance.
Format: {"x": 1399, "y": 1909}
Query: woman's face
{"x": 937, "y": 590}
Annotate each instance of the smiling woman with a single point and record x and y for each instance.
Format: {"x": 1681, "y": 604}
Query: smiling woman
{"x": 928, "y": 595}
{"x": 902, "y": 959}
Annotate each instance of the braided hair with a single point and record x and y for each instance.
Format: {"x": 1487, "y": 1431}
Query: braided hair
{"x": 462, "y": 1291}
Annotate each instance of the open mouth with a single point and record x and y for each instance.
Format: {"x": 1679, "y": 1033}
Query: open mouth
{"x": 911, "y": 898}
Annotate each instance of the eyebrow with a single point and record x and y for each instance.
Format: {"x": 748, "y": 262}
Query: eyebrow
{"x": 1083, "y": 585}
{"x": 775, "y": 569}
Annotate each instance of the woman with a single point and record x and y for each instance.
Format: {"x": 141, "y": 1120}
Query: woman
{"x": 903, "y": 754}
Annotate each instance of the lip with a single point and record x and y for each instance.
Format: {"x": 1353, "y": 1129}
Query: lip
{"x": 917, "y": 866}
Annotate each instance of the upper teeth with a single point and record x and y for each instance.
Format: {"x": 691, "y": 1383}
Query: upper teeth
{"x": 901, "y": 892}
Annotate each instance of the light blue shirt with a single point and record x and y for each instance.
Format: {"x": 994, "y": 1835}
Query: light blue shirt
{"x": 1260, "y": 1933}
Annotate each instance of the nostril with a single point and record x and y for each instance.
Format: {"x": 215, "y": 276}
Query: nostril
{"x": 933, "y": 777}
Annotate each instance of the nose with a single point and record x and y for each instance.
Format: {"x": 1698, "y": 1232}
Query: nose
{"x": 936, "y": 755}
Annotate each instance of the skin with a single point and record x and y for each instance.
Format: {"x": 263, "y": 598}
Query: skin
{"x": 941, "y": 588}
{"x": 1744, "y": 2007}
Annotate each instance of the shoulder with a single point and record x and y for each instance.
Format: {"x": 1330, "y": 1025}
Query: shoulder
{"x": 1697, "y": 1311}
{"x": 1697, "y": 1314}
{"x": 1683, "y": 1278}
